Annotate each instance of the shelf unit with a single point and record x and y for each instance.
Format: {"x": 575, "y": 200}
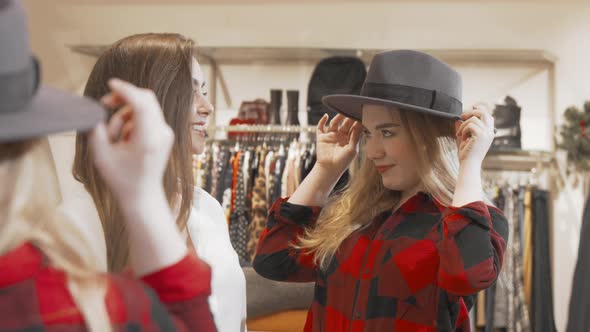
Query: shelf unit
{"x": 244, "y": 55}
{"x": 220, "y": 55}
{"x": 217, "y": 56}
{"x": 520, "y": 161}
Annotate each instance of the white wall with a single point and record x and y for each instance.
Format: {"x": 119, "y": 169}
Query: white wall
{"x": 555, "y": 26}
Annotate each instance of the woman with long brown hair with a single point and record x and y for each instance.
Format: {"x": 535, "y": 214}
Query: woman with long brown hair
{"x": 165, "y": 63}
{"x": 49, "y": 279}
{"x": 411, "y": 239}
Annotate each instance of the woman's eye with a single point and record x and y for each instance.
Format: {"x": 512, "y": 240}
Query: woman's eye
{"x": 388, "y": 133}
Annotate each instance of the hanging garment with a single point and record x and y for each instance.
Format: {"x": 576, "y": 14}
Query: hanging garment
{"x": 224, "y": 174}
{"x": 307, "y": 163}
{"x": 285, "y": 175}
{"x": 579, "y": 307}
{"x": 298, "y": 163}
{"x": 490, "y": 292}
{"x": 215, "y": 171}
{"x": 490, "y": 304}
{"x": 290, "y": 183}
{"x": 528, "y": 248}
{"x": 542, "y": 295}
{"x": 259, "y": 209}
{"x": 198, "y": 169}
{"x": 238, "y": 227}
{"x": 207, "y": 170}
{"x": 237, "y": 160}
{"x": 209, "y": 174}
{"x": 481, "y": 309}
{"x": 268, "y": 169}
{"x": 253, "y": 175}
{"x": 518, "y": 319}
{"x": 498, "y": 317}
{"x": 278, "y": 176}
{"x": 227, "y": 185}
{"x": 249, "y": 158}
{"x": 512, "y": 213}
{"x": 246, "y": 170}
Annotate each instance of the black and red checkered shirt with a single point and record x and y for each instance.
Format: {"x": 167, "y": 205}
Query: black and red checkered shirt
{"x": 414, "y": 270}
{"x": 34, "y": 297}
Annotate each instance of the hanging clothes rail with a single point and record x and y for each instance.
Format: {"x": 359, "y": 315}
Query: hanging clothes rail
{"x": 265, "y": 129}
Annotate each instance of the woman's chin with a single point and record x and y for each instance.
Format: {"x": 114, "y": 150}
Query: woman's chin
{"x": 198, "y": 150}
{"x": 199, "y": 143}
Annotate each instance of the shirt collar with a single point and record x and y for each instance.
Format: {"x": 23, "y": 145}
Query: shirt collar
{"x": 422, "y": 201}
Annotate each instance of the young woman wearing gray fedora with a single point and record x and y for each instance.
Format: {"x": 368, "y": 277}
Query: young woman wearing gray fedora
{"x": 412, "y": 237}
{"x": 49, "y": 278}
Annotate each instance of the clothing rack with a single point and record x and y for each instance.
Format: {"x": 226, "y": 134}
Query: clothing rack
{"x": 265, "y": 129}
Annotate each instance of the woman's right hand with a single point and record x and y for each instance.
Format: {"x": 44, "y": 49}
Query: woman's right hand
{"x": 337, "y": 142}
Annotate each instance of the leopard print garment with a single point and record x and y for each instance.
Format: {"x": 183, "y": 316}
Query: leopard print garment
{"x": 259, "y": 211}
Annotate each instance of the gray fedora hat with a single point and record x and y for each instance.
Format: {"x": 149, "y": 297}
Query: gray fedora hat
{"x": 407, "y": 80}
{"x": 27, "y": 109}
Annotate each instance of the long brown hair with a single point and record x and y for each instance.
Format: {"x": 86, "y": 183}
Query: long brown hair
{"x": 162, "y": 63}
{"x": 365, "y": 197}
{"x": 29, "y": 197}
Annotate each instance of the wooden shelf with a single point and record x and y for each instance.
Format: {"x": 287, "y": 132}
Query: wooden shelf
{"x": 245, "y": 55}
{"x": 524, "y": 161}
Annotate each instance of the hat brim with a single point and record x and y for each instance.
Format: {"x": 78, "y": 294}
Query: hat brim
{"x": 51, "y": 111}
{"x": 352, "y": 106}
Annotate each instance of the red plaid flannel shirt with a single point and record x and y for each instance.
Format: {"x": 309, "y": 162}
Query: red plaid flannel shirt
{"x": 417, "y": 269}
{"x": 34, "y": 297}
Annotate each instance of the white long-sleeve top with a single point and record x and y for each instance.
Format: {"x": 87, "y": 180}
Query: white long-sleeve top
{"x": 208, "y": 231}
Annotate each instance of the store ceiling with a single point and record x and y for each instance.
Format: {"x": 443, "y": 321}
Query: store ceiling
{"x": 256, "y": 2}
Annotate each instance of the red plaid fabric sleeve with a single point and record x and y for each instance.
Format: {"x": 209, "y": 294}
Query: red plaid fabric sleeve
{"x": 276, "y": 258}
{"x": 472, "y": 247}
{"x": 184, "y": 289}
{"x": 35, "y": 297}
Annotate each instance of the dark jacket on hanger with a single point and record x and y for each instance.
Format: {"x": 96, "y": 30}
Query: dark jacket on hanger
{"x": 542, "y": 295}
{"x": 579, "y": 311}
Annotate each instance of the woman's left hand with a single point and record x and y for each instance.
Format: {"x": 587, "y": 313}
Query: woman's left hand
{"x": 474, "y": 135}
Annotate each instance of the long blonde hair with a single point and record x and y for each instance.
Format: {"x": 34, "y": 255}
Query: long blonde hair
{"x": 29, "y": 196}
{"x": 161, "y": 62}
{"x": 365, "y": 196}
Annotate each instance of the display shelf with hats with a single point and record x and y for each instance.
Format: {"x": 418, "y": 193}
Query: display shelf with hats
{"x": 216, "y": 57}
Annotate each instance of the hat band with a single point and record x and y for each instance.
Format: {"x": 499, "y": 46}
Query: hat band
{"x": 431, "y": 99}
{"x": 17, "y": 89}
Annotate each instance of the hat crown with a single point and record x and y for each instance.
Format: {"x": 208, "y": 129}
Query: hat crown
{"x": 15, "y": 53}
{"x": 27, "y": 109}
{"x": 415, "y": 69}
